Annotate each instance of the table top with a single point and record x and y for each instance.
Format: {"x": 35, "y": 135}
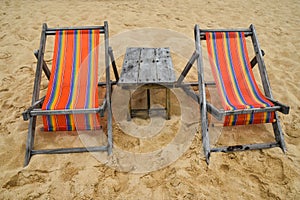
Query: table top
{"x": 147, "y": 66}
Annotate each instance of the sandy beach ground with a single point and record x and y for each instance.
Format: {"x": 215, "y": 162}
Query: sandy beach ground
{"x": 266, "y": 174}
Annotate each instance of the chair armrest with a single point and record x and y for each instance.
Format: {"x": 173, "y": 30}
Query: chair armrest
{"x": 283, "y": 108}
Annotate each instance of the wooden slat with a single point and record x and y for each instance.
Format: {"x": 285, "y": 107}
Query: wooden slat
{"x": 165, "y": 70}
{"x": 202, "y": 96}
{"x": 147, "y": 70}
{"x": 245, "y": 147}
{"x": 70, "y": 150}
{"x": 129, "y": 74}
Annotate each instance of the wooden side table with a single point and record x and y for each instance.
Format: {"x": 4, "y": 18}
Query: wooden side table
{"x": 150, "y": 68}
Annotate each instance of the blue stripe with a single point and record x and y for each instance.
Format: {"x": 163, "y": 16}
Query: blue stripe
{"x": 88, "y": 85}
{"x": 56, "y": 71}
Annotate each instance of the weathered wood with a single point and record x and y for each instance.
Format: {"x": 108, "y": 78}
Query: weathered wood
{"x": 245, "y": 147}
{"x": 129, "y": 107}
{"x": 34, "y": 110}
{"x": 147, "y": 66}
{"x": 145, "y": 112}
{"x": 190, "y": 92}
{"x": 27, "y": 113}
{"x": 261, "y": 65}
{"x": 45, "y": 67}
{"x": 113, "y": 63}
{"x": 283, "y": 108}
{"x": 206, "y": 107}
{"x": 267, "y": 89}
{"x": 70, "y": 150}
{"x": 148, "y": 100}
{"x": 279, "y": 133}
{"x": 129, "y": 73}
{"x": 108, "y": 91}
{"x": 247, "y": 32}
{"x": 215, "y": 112}
{"x": 39, "y": 65}
{"x": 253, "y": 62}
{"x": 52, "y": 31}
{"x": 202, "y": 96}
{"x": 37, "y": 112}
{"x": 35, "y": 95}
{"x": 187, "y": 67}
{"x": 104, "y": 83}
{"x": 164, "y": 65}
{"x": 168, "y": 104}
{"x": 30, "y": 140}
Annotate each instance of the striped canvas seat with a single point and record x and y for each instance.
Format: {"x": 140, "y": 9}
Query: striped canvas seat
{"x": 234, "y": 78}
{"x": 73, "y": 81}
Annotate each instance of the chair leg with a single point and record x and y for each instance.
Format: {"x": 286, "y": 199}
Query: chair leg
{"x": 205, "y": 141}
{"x": 30, "y": 140}
{"x": 279, "y": 133}
{"x": 109, "y": 132}
{"x": 205, "y": 134}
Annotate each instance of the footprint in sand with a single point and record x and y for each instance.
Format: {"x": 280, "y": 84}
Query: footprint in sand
{"x": 24, "y": 178}
{"x": 5, "y": 55}
{"x": 69, "y": 172}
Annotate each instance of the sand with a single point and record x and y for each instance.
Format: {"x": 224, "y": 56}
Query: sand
{"x": 266, "y": 174}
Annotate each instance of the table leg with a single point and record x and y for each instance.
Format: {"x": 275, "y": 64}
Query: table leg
{"x": 148, "y": 102}
{"x": 129, "y": 107}
{"x": 168, "y": 104}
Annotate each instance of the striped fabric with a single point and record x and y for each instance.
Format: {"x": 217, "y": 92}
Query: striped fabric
{"x": 234, "y": 78}
{"x": 73, "y": 81}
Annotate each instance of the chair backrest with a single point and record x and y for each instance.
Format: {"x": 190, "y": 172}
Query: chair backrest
{"x": 73, "y": 81}
{"x": 234, "y": 78}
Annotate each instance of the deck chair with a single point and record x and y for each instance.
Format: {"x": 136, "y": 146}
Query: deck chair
{"x": 71, "y": 102}
{"x": 242, "y": 101}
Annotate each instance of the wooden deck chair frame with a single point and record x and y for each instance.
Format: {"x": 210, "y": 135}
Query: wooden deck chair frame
{"x": 35, "y": 109}
{"x": 206, "y": 107}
